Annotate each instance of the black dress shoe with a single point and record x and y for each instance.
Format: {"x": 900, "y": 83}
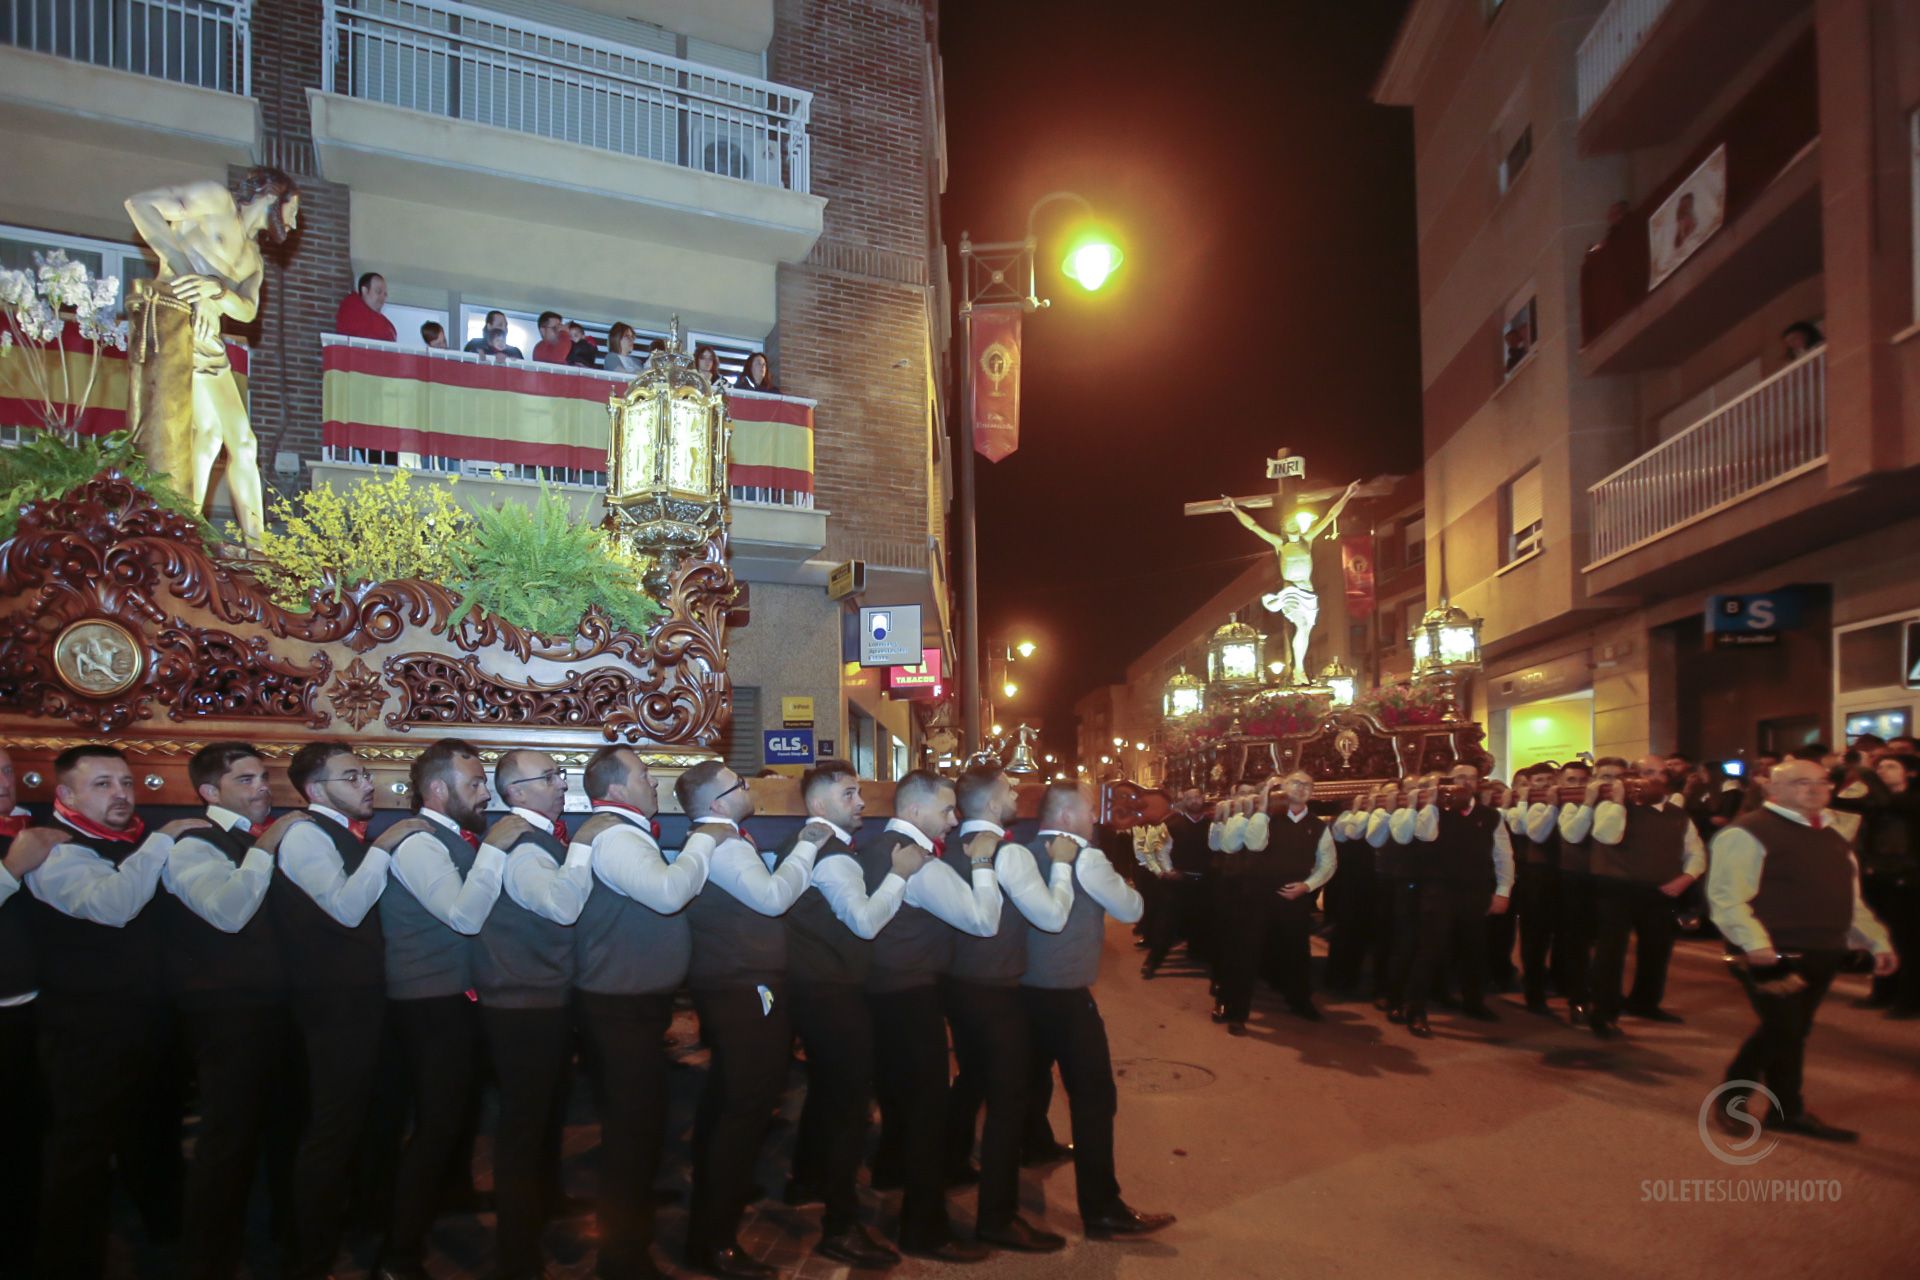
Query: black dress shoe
{"x": 886, "y": 1178}
{"x": 1219, "y": 1013}
{"x": 1121, "y": 1219}
{"x": 1417, "y": 1024}
{"x": 1808, "y": 1125}
{"x": 1236, "y": 1028}
{"x": 799, "y": 1192}
{"x": 1605, "y": 1030}
{"x": 1306, "y": 1011}
{"x": 1479, "y": 1013}
{"x": 963, "y": 1175}
{"x": 1539, "y": 1005}
{"x": 1396, "y": 1015}
{"x": 1052, "y": 1153}
{"x": 1382, "y": 1003}
{"x": 1653, "y": 1015}
{"x": 732, "y": 1263}
{"x": 857, "y": 1249}
{"x": 1021, "y": 1236}
{"x": 1579, "y": 1013}
{"x": 948, "y": 1251}
{"x": 1148, "y": 969}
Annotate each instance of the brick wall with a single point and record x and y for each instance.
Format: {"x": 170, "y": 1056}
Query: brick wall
{"x": 852, "y": 328}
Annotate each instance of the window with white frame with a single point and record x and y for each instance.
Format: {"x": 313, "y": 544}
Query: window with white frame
{"x": 1518, "y": 152}
{"x": 106, "y": 259}
{"x": 1524, "y": 516}
{"x": 1415, "y": 545}
{"x": 1519, "y": 331}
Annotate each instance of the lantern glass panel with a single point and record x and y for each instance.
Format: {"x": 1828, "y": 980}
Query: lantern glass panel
{"x": 1184, "y": 701}
{"x": 1238, "y": 662}
{"x": 1342, "y": 687}
{"x": 689, "y": 460}
{"x": 1456, "y": 644}
{"x": 1422, "y": 646}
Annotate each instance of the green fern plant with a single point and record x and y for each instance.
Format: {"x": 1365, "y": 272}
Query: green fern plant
{"x": 541, "y": 568}
{"x": 48, "y": 466}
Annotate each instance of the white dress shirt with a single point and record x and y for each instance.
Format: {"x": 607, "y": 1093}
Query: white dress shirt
{"x": 844, "y": 885}
{"x": 1542, "y": 821}
{"x": 422, "y": 865}
{"x": 76, "y": 881}
{"x": 1734, "y": 878}
{"x": 1102, "y": 883}
{"x": 1229, "y": 836}
{"x": 627, "y": 860}
{"x": 1153, "y": 848}
{"x": 1427, "y": 828}
{"x": 308, "y": 858}
{"x": 1045, "y": 903}
{"x": 1610, "y": 828}
{"x": 1576, "y": 822}
{"x": 1325, "y": 859}
{"x": 938, "y": 888}
{"x": 1379, "y": 828}
{"x": 1403, "y": 825}
{"x": 555, "y": 891}
{"x": 739, "y": 869}
{"x": 201, "y": 875}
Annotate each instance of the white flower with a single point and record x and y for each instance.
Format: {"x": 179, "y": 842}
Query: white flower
{"x": 16, "y": 288}
{"x": 6, "y": 340}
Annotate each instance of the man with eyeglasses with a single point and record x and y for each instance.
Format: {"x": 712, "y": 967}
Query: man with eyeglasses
{"x": 326, "y": 881}
{"x": 523, "y": 971}
{"x": 738, "y": 977}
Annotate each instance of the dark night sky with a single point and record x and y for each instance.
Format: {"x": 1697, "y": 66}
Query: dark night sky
{"x": 1269, "y": 296}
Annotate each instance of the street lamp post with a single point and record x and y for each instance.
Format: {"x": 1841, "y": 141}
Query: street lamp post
{"x": 990, "y": 272}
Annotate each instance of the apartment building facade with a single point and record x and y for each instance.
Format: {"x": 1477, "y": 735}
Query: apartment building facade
{"x": 766, "y": 171}
{"x": 1671, "y": 382}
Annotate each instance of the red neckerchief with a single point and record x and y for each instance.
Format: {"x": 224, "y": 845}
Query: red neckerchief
{"x": 12, "y": 824}
{"x": 653, "y": 823}
{"x": 560, "y": 830}
{"x": 471, "y": 837}
{"x": 133, "y": 833}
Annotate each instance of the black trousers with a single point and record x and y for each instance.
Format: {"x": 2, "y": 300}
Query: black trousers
{"x": 530, "y": 1048}
{"x": 1536, "y": 896}
{"x": 1067, "y": 1029}
{"x": 752, "y": 1046}
{"x": 20, "y": 1138}
{"x": 340, "y": 1031}
{"x": 1622, "y": 907}
{"x": 111, "y": 1105}
{"x": 237, "y": 1052}
{"x": 1500, "y": 931}
{"x": 1154, "y": 899}
{"x": 626, "y": 1058}
{"x": 1896, "y": 900}
{"x": 1288, "y": 956}
{"x": 1573, "y": 940}
{"x": 910, "y": 1078}
{"x": 1451, "y": 926}
{"x": 836, "y": 1028}
{"x": 1188, "y": 915}
{"x": 1775, "y": 1054}
{"x": 441, "y": 1048}
{"x": 1350, "y": 910}
{"x": 1396, "y": 921}
{"x": 990, "y": 1042}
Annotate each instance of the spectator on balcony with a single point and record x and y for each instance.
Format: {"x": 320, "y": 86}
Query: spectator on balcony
{"x": 756, "y": 376}
{"x": 555, "y": 344}
{"x": 359, "y": 314}
{"x": 434, "y": 335}
{"x": 706, "y": 360}
{"x": 493, "y": 339}
{"x": 1801, "y": 337}
{"x": 620, "y": 357}
{"x": 585, "y": 352}
{"x": 1517, "y": 345}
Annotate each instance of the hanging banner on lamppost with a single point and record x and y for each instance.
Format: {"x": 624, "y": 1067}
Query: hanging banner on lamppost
{"x": 994, "y": 366}
{"x": 1356, "y": 566}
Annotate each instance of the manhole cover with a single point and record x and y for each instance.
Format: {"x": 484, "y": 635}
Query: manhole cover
{"x": 1157, "y": 1075}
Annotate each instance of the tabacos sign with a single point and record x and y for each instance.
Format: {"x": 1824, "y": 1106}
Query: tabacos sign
{"x": 922, "y": 681}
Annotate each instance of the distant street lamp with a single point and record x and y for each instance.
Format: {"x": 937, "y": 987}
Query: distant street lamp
{"x": 1010, "y": 689}
{"x": 1025, "y": 648}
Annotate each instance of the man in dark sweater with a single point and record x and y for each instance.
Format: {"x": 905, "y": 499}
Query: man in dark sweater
{"x": 325, "y": 884}
{"x": 830, "y": 932}
{"x": 225, "y": 971}
{"x": 1461, "y": 855}
{"x": 1785, "y": 893}
{"x": 739, "y": 981}
{"x": 1267, "y": 904}
{"x": 105, "y": 1040}
{"x": 1186, "y": 909}
{"x": 441, "y": 888}
{"x": 950, "y": 894}
{"x": 631, "y": 952}
{"x": 523, "y": 972}
{"x": 1646, "y": 853}
{"x": 19, "y": 1053}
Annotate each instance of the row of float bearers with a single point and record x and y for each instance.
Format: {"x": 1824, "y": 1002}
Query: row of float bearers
{"x": 458, "y": 930}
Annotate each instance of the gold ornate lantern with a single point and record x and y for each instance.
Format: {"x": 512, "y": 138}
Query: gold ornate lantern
{"x": 1234, "y": 657}
{"x": 667, "y": 460}
{"x": 1184, "y": 698}
{"x": 1339, "y": 679}
{"x": 1446, "y": 650}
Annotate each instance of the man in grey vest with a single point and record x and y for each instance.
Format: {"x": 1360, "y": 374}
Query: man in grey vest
{"x": 441, "y": 887}
{"x": 738, "y": 976}
{"x": 909, "y": 1027}
{"x": 631, "y": 950}
{"x": 1065, "y": 1022}
{"x": 523, "y": 972}
{"x": 1785, "y": 893}
{"x": 1646, "y": 853}
{"x": 990, "y": 1037}
{"x": 830, "y": 934}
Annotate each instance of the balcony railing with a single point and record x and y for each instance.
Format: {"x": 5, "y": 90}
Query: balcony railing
{"x": 1610, "y": 46}
{"x": 1774, "y": 432}
{"x": 203, "y": 43}
{"x": 464, "y": 414}
{"x": 448, "y": 59}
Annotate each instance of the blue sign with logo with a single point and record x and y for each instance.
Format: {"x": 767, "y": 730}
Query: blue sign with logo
{"x": 789, "y": 746}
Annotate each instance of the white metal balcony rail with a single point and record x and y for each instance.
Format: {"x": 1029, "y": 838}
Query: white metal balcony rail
{"x": 1610, "y": 46}
{"x": 449, "y": 59}
{"x": 203, "y": 43}
{"x": 1765, "y": 437}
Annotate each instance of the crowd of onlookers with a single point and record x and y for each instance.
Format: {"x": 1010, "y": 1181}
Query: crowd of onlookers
{"x": 562, "y": 341}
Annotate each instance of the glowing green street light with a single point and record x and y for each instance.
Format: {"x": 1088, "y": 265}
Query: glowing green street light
{"x": 1091, "y": 262}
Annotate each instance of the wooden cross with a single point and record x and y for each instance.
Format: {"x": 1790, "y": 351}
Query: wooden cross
{"x": 1286, "y": 469}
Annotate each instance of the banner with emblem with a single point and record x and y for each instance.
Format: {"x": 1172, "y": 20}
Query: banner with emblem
{"x": 1356, "y": 567}
{"x": 993, "y": 362}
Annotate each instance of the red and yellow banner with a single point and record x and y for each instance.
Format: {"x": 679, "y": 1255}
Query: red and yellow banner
{"x": 20, "y": 403}
{"x": 1356, "y": 567}
{"x": 993, "y": 362}
{"x": 381, "y": 397}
